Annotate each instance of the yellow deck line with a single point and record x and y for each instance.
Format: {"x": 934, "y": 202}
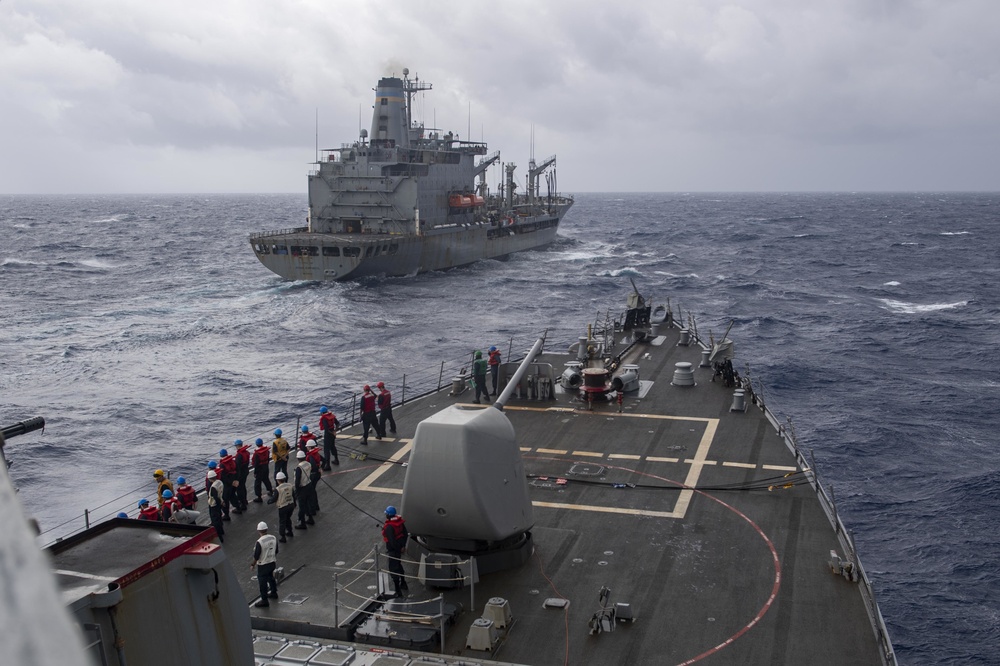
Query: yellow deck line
{"x": 779, "y": 468}
{"x": 588, "y": 454}
{"x": 611, "y": 509}
{"x": 684, "y": 497}
{"x": 609, "y": 414}
{"x": 666, "y": 460}
{"x": 366, "y": 483}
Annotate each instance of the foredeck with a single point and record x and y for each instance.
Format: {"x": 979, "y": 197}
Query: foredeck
{"x": 670, "y": 500}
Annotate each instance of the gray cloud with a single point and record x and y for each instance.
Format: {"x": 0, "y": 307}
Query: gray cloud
{"x": 652, "y": 95}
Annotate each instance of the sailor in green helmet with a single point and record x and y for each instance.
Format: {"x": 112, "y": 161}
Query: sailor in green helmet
{"x": 479, "y": 367}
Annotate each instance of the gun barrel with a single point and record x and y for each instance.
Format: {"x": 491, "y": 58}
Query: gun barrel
{"x": 22, "y": 427}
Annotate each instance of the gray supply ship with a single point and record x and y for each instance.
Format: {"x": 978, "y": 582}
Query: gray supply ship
{"x": 630, "y": 500}
{"x": 404, "y": 200}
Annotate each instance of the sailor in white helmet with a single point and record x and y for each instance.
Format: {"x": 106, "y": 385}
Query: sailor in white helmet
{"x": 264, "y": 558}
{"x": 215, "y": 507}
{"x": 286, "y": 506}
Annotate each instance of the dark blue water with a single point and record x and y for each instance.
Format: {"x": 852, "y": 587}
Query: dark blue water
{"x": 146, "y": 333}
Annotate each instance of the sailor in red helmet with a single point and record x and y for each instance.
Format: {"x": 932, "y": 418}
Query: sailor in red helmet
{"x": 385, "y": 409}
{"x": 369, "y": 417}
{"x": 242, "y": 473}
{"x": 494, "y": 363}
{"x": 329, "y": 424}
{"x": 227, "y": 473}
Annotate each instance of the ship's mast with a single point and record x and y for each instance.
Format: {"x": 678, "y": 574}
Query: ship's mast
{"x": 411, "y": 87}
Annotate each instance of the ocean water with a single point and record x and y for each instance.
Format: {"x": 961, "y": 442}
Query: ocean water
{"x": 146, "y": 333}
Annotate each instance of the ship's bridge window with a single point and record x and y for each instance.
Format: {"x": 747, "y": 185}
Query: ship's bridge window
{"x": 331, "y": 251}
{"x": 369, "y": 250}
{"x": 305, "y": 251}
{"x": 352, "y": 251}
{"x": 260, "y": 248}
{"x": 377, "y": 250}
{"x": 279, "y": 249}
{"x": 393, "y": 249}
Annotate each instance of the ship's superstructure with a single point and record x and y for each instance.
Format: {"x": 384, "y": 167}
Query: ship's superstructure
{"x": 404, "y": 199}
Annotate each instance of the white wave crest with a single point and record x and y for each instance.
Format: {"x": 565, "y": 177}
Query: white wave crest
{"x": 96, "y": 263}
{"x": 890, "y": 283}
{"x": 914, "y": 308}
{"x": 955, "y": 233}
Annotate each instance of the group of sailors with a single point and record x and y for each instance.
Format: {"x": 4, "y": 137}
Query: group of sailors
{"x": 175, "y": 505}
{"x": 227, "y": 488}
{"x": 227, "y": 479}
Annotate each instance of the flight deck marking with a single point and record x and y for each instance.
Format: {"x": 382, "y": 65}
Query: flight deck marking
{"x": 366, "y": 483}
{"x": 780, "y": 468}
{"x": 80, "y": 574}
{"x": 738, "y": 464}
{"x": 608, "y": 509}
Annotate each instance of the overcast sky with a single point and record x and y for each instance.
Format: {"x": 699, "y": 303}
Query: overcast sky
{"x": 652, "y": 95}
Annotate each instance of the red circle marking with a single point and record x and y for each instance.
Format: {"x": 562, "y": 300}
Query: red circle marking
{"x": 774, "y": 557}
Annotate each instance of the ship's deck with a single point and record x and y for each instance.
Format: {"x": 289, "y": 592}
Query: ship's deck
{"x": 720, "y": 574}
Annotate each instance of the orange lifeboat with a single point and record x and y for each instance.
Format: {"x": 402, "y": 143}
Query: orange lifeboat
{"x": 460, "y": 201}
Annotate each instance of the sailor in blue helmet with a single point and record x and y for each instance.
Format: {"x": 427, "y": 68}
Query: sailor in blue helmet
{"x": 305, "y": 437}
{"x": 279, "y": 453}
{"x": 187, "y": 495}
{"x": 170, "y": 507}
{"x": 261, "y": 461}
{"x": 146, "y": 511}
{"x": 394, "y": 534}
{"x": 122, "y": 514}
{"x": 329, "y": 424}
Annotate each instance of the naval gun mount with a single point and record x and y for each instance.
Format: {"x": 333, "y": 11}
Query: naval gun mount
{"x": 465, "y": 495}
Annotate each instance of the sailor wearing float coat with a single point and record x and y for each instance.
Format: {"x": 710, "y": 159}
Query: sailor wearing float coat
{"x": 264, "y": 558}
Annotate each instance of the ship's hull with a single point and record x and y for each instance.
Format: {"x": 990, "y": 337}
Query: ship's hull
{"x": 304, "y": 255}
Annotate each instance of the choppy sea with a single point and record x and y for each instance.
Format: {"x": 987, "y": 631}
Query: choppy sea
{"x": 145, "y": 332}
